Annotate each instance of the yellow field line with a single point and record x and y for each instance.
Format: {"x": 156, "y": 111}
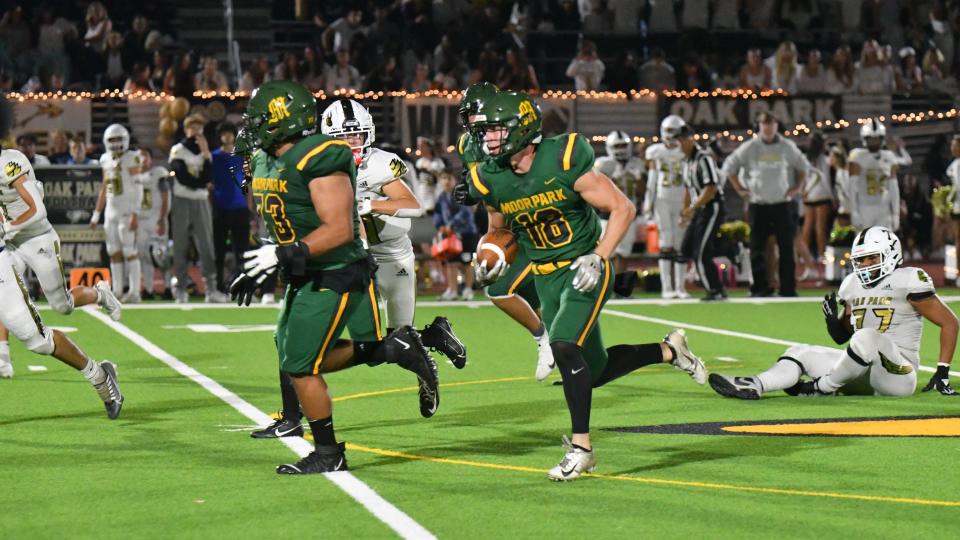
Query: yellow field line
{"x": 660, "y": 481}
{"x": 442, "y": 385}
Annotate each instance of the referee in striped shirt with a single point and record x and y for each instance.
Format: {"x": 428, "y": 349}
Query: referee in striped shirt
{"x": 703, "y": 210}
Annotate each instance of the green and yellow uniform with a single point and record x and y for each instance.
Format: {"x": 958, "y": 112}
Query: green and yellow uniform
{"x": 519, "y": 277}
{"x": 554, "y": 226}
{"x": 337, "y": 291}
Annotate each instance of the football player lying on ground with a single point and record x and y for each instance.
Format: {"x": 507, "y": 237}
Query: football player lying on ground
{"x": 884, "y": 305}
{"x": 514, "y": 292}
{"x": 546, "y": 191}
{"x": 304, "y": 186}
{"x": 385, "y": 205}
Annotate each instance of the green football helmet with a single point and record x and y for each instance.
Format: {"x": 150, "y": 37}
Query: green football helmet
{"x": 515, "y": 112}
{"x": 473, "y": 96}
{"x": 277, "y": 111}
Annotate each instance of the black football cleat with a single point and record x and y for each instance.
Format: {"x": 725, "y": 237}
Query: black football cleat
{"x": 404, "y": 348}
{"x": 438, "y": 336}
{"x": 323, "y": 459}
{"x": 807, "y": 389}
{"x": 735, "y": 387}
{"x": 281, "y": 427}
{"x": 109, "y": 390}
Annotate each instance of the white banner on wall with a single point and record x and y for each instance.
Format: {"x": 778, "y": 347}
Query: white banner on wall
{"x": 40, "y": 117}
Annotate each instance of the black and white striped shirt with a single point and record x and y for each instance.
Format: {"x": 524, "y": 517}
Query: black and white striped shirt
{"x": 699, "y": 171}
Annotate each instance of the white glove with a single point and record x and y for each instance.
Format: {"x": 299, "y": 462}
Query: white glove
{"x": 486, "y": 276}
{"x": 365, "y": 206}
{"x": 7, "y": 231}
{"x": 260, "y": 263}
{"x": 588, "y": 267}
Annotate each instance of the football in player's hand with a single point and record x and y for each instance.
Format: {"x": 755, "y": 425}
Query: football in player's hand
{"x": 497, "y": 244}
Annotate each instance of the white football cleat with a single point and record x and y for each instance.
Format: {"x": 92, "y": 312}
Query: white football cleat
{"x": 683, "y": 295}
{"x": 107, "y": 301}
{"x": 215, "y": 297}
{"x": 268, "y": 298}
{"x": 6, "y": 367}
{"x": 686, "y": 360}
{"x": 131, "y": 298}
{"x": 668, "y": 295}
{"x": 574, "y": 463}
{"x": 545, "y": 362}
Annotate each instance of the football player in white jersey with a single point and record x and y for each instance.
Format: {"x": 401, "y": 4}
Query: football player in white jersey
{"x": 873, "y": 188}
{"x": 883, "y": 308}
{"x": 122, "y": 195}
{"x": 32, "y": 242}
{"x": 21, "y": 316}
{"x": 626, "y": 171}
{"x": 953, "y": 173}
{"x": 152, "y": 217}
{"x": 664, "y": 199}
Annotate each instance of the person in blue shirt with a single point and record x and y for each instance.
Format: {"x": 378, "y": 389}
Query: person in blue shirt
{"x": 450, "y": 216}
{"x": 78, "y": 152}
{"x": 231, "y": 210}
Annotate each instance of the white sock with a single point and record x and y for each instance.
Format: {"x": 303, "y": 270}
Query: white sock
{"x": 666, "y": 275}
{"x": 846, "y": 370}
{"x": 5, "y": 352}
{"x": 116, "y": 275}
{"x": 93, "y": 373}
{"x": 133, "y": 271}
{"x": 543, "y": 337}
{"x": 679, "y": 276}
{"x": 783, "y": 374}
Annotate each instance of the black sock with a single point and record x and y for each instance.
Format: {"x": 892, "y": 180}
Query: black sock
{"x": 291, "y": 405}
{"x": 370, "y": 353}
{"x": 577, "y": 386}
{"x": 622, "y": 359}
{"x": 323, "y": 432}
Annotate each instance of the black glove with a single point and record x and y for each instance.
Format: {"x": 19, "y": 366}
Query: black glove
{"x": 242, "y": 289}
{"x": 941, "y": 381}
{"x": 461, "y": 192}
{"x": 835, "y": 327}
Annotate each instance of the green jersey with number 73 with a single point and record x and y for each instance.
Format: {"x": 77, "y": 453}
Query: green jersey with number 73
{"x": 552, "y": 222}
{"x": 281, "y": 191}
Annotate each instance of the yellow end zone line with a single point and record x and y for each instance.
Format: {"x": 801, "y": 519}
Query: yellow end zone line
{"x": 442, "y": 385}
{"x": 658, "y": 481}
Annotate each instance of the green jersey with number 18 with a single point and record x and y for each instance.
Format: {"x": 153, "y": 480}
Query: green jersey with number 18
{"x": 552, "y": 222}
{"x": 281, "y": 189}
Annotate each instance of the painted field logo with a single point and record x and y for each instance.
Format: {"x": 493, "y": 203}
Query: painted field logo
{"x": 894, "y": 426}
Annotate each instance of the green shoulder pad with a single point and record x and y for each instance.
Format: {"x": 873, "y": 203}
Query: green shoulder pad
{"x": 319, "y": 155}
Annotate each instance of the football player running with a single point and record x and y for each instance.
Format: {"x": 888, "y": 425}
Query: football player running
{"x": 664, "y": 200}
{"x": 304, "y": 184}
{"x": 32, "y": 242}
{"x": 514, "y": 292}
{"x": 873, "y": 188}
{"x": 122, "y": 195}
{"x": 879, "y": 315}
{"x": 22, "y": 318}
{"x": 547, "y": 192}
{"x": 627, "y": 172}
{"x": 385, "y": 204}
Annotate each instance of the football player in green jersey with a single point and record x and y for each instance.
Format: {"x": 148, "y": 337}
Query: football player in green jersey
{"x": 514, "y": 292}
{"x": 302, "y": 183}
{"x": 546, "y": 191}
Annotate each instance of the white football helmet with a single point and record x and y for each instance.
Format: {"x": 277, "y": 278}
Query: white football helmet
{"x": 875, "y": 241}
{"x": 619, "y": 145}
{"x": 671, "y": 127}
{"x": 160, "y": 253}
{"x": 873, "y": 129}
{"x": 116, "y": 139}
{"x": 346, "y": 117}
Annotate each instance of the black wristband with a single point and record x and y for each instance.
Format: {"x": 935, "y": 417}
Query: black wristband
{"x": 838, "y": 332}
{"x": 292, "y": 259}
{"x": 943, "y": 372}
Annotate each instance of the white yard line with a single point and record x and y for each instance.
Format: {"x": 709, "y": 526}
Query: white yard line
{"x": 386, "y": 512}
{"x": 722, "y": 332}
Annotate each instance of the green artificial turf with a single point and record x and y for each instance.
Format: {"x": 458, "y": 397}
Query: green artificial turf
{"x": 180, "y": 462}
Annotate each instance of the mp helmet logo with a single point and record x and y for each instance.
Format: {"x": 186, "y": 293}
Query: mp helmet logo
{"x": 527, "y": 113}
{"x": 278, "y": 109}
